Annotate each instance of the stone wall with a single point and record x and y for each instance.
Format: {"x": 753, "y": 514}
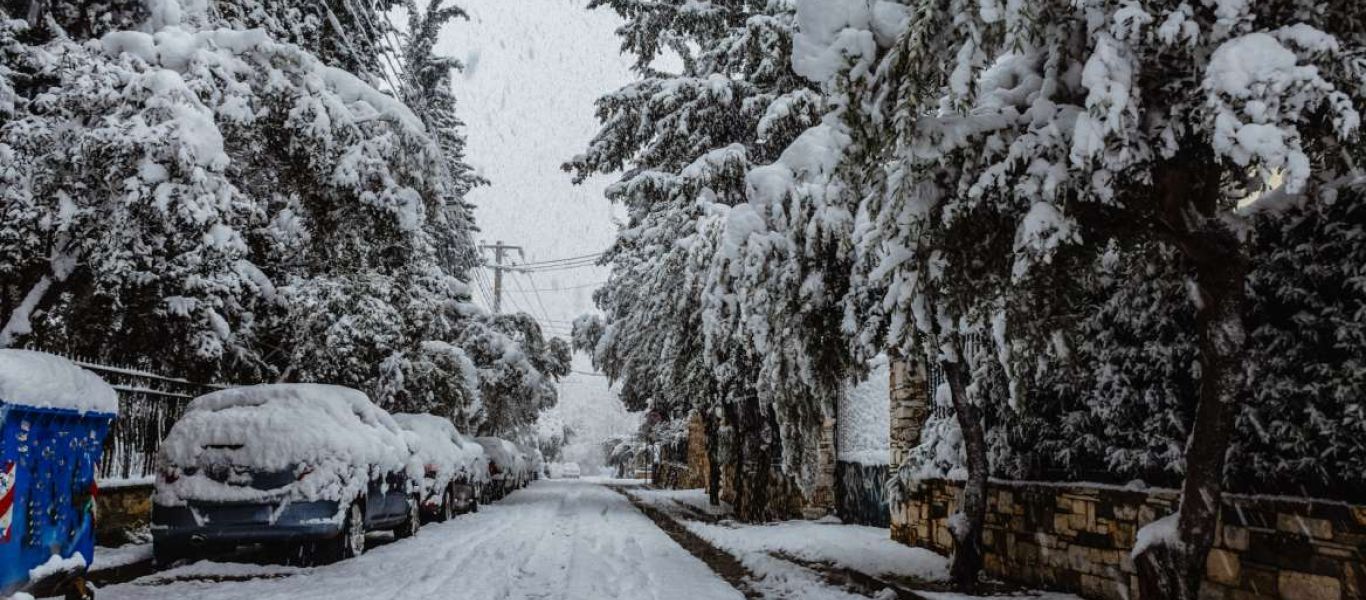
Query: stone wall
{"x": 122, "y": 511}
{"x": 1077, "y": 538}
{"x": 822, "y": 501}
{"x": 910, "y": 406}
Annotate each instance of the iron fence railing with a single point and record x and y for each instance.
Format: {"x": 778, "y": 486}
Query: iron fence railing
{"x": 149, "y": 403}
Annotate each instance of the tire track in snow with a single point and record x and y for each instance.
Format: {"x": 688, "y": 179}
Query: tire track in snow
{"x": 556, "y": 540}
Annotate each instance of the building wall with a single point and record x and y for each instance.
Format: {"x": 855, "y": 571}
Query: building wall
{"x": 1077, "y": 538}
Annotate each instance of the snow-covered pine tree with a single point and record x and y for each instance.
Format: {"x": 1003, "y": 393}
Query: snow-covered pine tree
{"x": 354, "y": 35}
{"x": 1061, "y": 125}
{"x": 689, "y": 139}
{"x": 427, "y": 90}
{"x": 234, "y": 209}
{"x": 518, "y": 368}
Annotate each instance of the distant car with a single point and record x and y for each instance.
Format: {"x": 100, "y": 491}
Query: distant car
{"x": 535, "y": 462}
{"x": 507, "y": 467}
{"x": 454, "y": 467}
{"x": 569, "y": 470}
{"x": 317, "y": 466}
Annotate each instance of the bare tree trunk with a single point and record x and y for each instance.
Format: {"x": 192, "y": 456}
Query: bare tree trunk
{"x": 967, "y": 525}
{"x": 754, "y": 468}
{"x": 1189, "y": 195}
{"x": 1176, "y": 571}
{"x": 713, "y": 464}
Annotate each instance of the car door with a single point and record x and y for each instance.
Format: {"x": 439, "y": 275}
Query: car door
{"x": 397, "y": 494}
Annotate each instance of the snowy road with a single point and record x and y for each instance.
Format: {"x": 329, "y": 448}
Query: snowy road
{"x": 556, "y": 540}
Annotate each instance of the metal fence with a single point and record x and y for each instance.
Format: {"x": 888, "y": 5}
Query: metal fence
{"x": 149, "y": 404}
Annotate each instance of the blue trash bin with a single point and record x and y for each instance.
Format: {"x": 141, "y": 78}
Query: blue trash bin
{"x": 48, "y": 460}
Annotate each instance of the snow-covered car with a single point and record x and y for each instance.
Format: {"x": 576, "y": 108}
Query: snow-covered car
{"x": 535, "y": 462}
{"x": 306, "y": 464}
{"x": 569, "y": 471}
{"x": 507, "y": 467}
{"x": 454, "y": 467}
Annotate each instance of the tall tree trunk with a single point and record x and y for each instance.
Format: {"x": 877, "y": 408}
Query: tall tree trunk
{"x": 1175, "y": 571}
{"x": 1189, "y": 195}
{"x": 967, "y": 525}
{"x": 755, "y": 462}
{"x": 713, "y": 458}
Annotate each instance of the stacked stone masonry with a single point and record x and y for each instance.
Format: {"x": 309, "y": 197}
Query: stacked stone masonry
{"x": 1077, "y": 538}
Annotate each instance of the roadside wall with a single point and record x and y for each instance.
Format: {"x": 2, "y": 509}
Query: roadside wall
{"x": 121, "y": 510}
{"x": 1077, "y": 538}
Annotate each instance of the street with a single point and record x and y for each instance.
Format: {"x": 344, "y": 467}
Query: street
{"x": 556, "y": 539}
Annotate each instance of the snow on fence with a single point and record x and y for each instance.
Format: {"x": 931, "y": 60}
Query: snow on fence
{"x": 149, "y": 403}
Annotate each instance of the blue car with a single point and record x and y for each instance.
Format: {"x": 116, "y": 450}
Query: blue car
{"x": 315, "y": 467}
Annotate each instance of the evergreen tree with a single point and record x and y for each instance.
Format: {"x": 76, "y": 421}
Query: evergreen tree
{"x": 1044, "y": 130}
{"x": 689, "y": 140}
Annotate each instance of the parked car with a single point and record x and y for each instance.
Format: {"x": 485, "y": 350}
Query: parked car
{"x": 535, "y": 462}
{"x": 507, "y": 467}
{"x": 569, "y": 470}
{"x": 455, "y": 468}
{"x": 316, "y": 466}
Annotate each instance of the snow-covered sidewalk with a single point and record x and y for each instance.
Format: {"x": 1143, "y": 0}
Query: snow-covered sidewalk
{"x": 793, "y": 560}
{"x": 570, "y": 540}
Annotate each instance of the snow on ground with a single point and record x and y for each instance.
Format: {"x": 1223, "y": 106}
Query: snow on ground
{"x": 763, "y": 549}
{"x": 775, "y": 552}
{"x": 122, "y": 556}
{"x": 556, "y": 539}
{"x": 695, "y": 499}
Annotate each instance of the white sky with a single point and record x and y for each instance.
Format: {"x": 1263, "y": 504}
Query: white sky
{"x": 534, "y": 69}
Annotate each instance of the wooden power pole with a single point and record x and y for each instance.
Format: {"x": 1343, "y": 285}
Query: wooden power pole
{"x": 499, "y": 253}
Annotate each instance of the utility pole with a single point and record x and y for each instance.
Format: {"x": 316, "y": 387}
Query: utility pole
{"x": 499, "y": 252}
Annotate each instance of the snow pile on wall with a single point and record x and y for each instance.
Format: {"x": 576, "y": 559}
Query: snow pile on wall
{"x": 864, "y": 419}
{"x": 46, "y": 381}
{"x": 335, "y": 431}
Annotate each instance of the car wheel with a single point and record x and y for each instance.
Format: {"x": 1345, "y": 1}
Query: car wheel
{"x": 350, "y": 543}
{"x": 410, "y": 526}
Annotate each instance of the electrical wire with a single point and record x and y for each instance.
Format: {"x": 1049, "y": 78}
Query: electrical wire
{"x": 572, "y": 287}
{"x": 561, "y": 260}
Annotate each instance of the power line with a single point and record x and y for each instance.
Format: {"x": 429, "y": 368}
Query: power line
{"x": 539, "y": 301}
{"x": 518, "y": 284}
{"x": 561, "y": 260}
{"x": 565, "y": 267}
{"x": 571, "y": 287}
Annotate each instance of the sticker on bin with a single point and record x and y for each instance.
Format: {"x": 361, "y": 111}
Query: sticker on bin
{"x": 6, "y": 502}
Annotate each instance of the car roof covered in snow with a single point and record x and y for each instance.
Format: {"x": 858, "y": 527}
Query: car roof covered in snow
{"x": 279, "y": 425}
{"x": 502, "y": 452}
{"x": 44, "y": 380}
{"x": 438, "y": 442}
